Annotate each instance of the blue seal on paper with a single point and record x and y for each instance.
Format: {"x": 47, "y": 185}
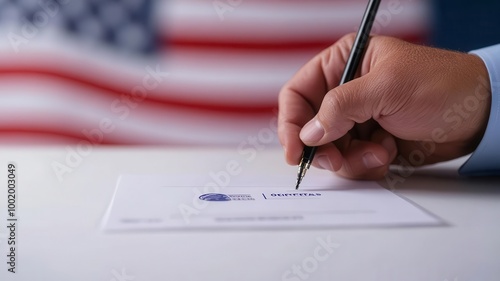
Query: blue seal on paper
{"x": 215, "y": 197}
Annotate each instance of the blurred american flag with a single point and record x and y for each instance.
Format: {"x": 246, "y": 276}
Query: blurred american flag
{"x": 165, "y": 72}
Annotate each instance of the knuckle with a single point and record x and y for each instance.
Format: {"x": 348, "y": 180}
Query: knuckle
{"x": 331, "y": 107}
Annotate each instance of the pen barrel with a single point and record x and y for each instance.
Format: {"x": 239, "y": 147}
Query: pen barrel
{"x": 355, "y": 57}
{"x": 361, "y": 41}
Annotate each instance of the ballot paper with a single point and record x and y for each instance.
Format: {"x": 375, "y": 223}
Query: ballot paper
{"x": 156, "y": 202}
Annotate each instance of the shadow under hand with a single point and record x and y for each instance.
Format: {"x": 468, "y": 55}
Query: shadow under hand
{"x": 439, "y": 179}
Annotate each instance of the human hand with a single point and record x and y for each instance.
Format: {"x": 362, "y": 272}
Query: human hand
{"x": 423, "y": 104}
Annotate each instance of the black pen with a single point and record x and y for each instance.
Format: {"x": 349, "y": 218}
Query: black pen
{"x": 355, "y": 57}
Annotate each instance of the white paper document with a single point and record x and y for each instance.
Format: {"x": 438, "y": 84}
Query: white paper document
{"x": 183, "y": 202}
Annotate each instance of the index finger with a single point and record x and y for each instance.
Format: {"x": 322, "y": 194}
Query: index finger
{"x": 301, "y": 97}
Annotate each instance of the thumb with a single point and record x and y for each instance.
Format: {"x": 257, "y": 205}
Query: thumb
{"x": 342, "y": 107}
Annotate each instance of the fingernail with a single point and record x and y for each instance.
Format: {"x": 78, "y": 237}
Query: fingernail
{"x": 371, "y": 161}
{"x": 312, "y": 131}
{"x": 324, "y": 163}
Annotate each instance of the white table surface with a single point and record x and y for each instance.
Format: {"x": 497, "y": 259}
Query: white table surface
{"x": 59, "y": 235}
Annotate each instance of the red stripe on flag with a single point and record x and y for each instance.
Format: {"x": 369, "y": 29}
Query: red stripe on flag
{"x": 117, "y": 92}
{"x": 313, "y": 46}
